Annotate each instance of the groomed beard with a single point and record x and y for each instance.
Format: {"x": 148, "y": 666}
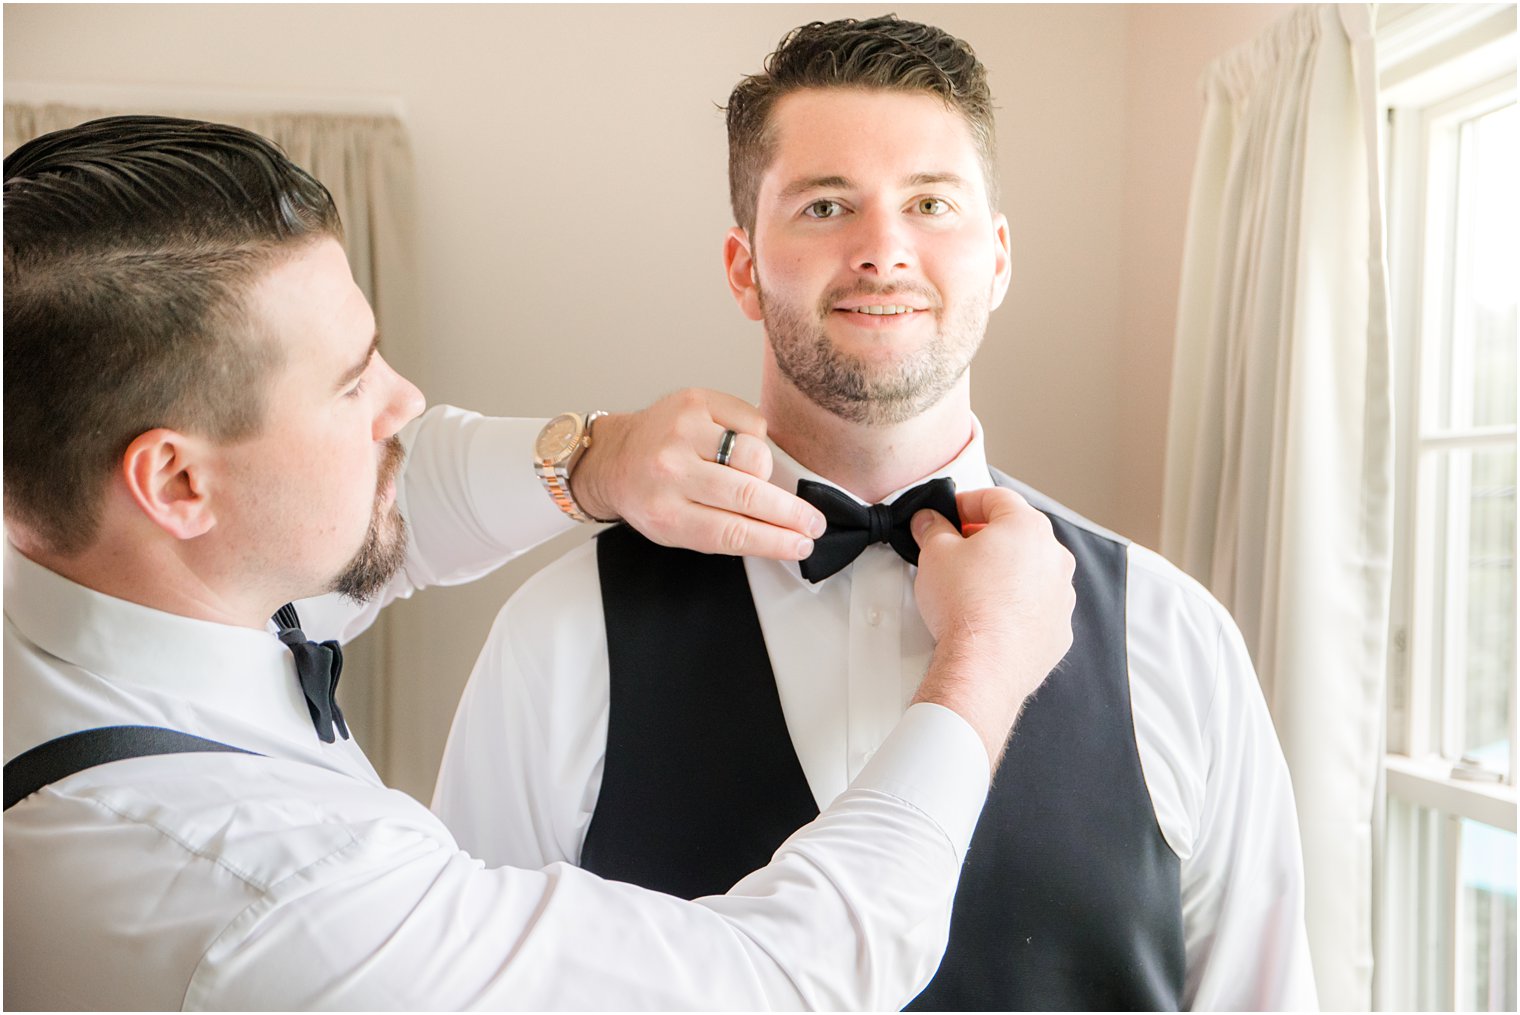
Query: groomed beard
{"x": 861, "y": 392}
{"x": 384, "y": 547}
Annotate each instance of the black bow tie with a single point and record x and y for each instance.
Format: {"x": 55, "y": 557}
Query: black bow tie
{"x": 318, "y": 665}
{"x": 854, "y": 526}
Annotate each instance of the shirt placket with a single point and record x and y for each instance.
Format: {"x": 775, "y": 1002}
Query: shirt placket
{"x": 875, "y": 656}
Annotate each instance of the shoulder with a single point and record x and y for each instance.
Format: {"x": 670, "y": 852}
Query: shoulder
{"x": 1060, "y": 515}
{"x": 1168, "y": 613}
{"x": 555, "y": 608}
{"x": 255, "y": 820}
{"x": 547, "y": 648}
{"x": 208, "y": 854}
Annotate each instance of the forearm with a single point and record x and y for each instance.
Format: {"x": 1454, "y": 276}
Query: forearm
{"x": 852, "y": 913}
{"x": 470, "y": 495}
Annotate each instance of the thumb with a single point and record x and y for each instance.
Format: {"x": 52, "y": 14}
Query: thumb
{"x": 929, "y": 525}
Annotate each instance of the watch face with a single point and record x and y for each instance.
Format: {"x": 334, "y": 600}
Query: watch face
{"x": 558, "y": 438}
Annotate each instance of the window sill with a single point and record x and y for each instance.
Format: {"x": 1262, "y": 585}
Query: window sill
{"x": 1428, "y": 783}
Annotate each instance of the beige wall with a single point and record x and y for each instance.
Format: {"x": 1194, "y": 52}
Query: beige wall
{"x": 570, "y": 166}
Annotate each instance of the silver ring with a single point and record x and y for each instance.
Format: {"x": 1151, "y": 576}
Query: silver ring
{"x": 726, "y": 447}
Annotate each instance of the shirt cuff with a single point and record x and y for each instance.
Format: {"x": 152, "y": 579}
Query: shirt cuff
{"x": 501, "y": 476}
{"x": 936, "y": 762}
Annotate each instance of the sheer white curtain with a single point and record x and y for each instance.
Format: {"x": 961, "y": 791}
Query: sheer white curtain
{"x": 366, "y": 162}
{"x": 1279, "y": 447}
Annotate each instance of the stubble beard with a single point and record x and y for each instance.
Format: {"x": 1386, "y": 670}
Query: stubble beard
{"x": 854, "y": 389}
{"x": 384, "y": 547}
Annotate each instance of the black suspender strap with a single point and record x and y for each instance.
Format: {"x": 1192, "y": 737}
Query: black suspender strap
{"x": 58, "y": 759}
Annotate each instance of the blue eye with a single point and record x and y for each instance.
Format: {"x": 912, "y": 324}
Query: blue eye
{"x": 822, "y": 209}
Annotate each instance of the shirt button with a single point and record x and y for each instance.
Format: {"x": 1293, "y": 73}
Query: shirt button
{"x": 874, "y": 617}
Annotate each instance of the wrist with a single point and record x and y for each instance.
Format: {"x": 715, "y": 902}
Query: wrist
{"x": 590, "y": 477}
{"x": 970, "y": 676}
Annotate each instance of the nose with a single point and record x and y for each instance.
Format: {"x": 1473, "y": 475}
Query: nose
{"x": 403, "y": 402}
{"x": 883, "y": 245}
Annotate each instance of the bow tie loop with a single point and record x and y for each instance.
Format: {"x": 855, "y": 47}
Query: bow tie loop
{"x": 853, "y": 526}
{"x": 318, "y": 667}
{"x": 878, "y": 524}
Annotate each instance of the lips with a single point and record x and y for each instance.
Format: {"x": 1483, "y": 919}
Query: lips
{"x": 899, "y": 300}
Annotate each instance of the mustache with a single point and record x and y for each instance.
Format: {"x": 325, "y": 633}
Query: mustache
{"x": 392, "y": 457}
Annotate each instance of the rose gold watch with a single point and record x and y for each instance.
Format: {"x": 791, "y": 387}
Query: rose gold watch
{"x": 560, "y": 445}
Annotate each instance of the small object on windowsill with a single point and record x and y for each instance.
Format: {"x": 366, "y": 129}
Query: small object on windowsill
{"x": 1470, "y": 769}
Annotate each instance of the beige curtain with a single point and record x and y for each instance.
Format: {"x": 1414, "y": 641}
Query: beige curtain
{"x": 1279, "y": 447}
{"x": 366, "y": 162}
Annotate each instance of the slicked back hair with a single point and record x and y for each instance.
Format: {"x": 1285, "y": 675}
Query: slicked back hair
{"x": 130, "y": 245}
{"x": 885, "y": 54}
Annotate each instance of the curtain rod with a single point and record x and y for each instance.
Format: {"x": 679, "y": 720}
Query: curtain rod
{"x": 200, "y": 99}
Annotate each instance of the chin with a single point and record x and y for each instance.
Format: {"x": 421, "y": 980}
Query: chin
{"x": 377, "y": 560}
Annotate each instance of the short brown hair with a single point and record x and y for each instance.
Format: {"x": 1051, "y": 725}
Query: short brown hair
{"x": 130, "y": 243}
{"x": 880, "y": 53}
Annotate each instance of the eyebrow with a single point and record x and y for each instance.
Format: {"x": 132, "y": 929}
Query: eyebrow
{"x": 935, "y": 179}
{"x": 807, "y": 184}
{"x": 354, "y": 372}
{"x": 799, "y": 187}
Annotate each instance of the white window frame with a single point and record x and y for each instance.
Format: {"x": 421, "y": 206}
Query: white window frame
{"x": 1438, "y": 64}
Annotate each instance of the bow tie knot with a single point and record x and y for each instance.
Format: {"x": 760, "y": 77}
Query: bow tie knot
{"x": 318, "y": 666}
{"x": 853, "y": 526}
{"x": 879, "y": 524}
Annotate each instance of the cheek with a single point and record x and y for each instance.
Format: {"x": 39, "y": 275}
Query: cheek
{"x": 791, "y": 265}
{"x": 965, "y": 261}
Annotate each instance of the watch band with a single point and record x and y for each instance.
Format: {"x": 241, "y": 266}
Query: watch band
{"x": 555, "y": 475}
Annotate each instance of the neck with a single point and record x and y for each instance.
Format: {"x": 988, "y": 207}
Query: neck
{"x": 154, "y": 575}
{"x": 868, "y": 461}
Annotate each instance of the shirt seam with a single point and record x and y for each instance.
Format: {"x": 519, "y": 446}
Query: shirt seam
{"x": 331, "y": 856}
{"x": 236, "y": 871}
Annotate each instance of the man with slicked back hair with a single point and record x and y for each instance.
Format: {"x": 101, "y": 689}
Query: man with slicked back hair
{"x": 1141, "y": 849}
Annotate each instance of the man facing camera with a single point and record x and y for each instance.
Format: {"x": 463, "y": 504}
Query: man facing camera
{"x": 1140, "y": 851}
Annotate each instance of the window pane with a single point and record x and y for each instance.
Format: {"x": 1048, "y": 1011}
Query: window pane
{"x": 1474, "y": 625}
{"x": 1479, "y": 361}
{"x": 1486, "y": 931}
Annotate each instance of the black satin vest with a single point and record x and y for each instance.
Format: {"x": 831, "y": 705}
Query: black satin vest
{"x": 1069, "y": 898}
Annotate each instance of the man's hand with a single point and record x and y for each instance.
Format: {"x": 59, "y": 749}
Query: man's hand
{"x": 998, "y": 603}
{"x": 655, "y": 469}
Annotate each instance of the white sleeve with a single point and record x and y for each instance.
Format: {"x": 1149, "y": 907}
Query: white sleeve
{"x": 471, "y": 502}
{"x": 1221, "y": 792}
{"x": 852, "y": 913}
{"x": 1243, "y": 887}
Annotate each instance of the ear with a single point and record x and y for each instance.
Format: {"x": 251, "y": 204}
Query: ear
{"x": 1003, "y": 273}
{"x": 739, "y": 263}
{"x": 166, "y": 473}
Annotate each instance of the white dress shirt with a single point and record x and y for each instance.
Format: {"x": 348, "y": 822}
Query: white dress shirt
{"x": 296, "y": 880}
{"x": 523, "y": 767}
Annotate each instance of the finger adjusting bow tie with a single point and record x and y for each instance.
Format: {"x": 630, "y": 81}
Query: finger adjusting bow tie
{"x": 318, "y": 665}
{"x": 854, "y": 526}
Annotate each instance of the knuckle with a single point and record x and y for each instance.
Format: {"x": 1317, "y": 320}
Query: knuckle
{"x": 731, "y": 538}
{"x": 665, "y": 467}
{"x": 747, "y": 497}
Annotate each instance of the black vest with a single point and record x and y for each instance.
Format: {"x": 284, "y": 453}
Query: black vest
{"x": 1069, "y": 897}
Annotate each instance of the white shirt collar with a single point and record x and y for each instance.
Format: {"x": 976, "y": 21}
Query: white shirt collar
{"x": 236, "y": 671}
{"x": 968, "y": 469}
